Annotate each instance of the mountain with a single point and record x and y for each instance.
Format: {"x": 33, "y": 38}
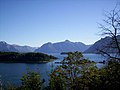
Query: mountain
{"x": 5, "y": 47}
{"x": 47, "y": 48}
{"x": 103, "y": 44}
{"x": 66, "y": 46}
{"x": 24, "y": 48}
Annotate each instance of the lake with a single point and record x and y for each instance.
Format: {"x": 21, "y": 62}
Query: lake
{"x": 12, "y": 72}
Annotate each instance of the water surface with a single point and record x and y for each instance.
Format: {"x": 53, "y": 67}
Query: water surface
{"x": 12, "y": 72}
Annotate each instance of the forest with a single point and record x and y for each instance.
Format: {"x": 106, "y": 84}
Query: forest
{"x": 14, "y": 57}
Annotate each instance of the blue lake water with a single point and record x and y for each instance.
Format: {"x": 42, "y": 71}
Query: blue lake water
{"x": 12, "y": 72}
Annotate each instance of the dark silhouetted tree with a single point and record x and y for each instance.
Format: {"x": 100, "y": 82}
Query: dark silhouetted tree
{"x": 111, "y": 28}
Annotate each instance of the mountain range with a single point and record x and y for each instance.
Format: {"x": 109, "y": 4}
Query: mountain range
{"x": 65, "y": 46}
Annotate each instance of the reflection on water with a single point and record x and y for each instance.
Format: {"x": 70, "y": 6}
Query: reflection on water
{"x": 12, "y": 72}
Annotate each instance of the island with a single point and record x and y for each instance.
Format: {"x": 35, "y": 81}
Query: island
{"x": 31, "y": 57}
{"x": 62, "y": 53}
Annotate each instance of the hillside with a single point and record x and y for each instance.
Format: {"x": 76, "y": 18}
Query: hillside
{"x": 103, "y": 44}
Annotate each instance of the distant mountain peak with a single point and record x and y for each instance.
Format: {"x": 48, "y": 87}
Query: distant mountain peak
{"x": 3, "y": 42}
{"x": 48, "y": 43}
{"x": 67, "y": 41}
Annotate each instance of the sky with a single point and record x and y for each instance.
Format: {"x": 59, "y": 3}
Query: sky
{"x": 35, "y": 22}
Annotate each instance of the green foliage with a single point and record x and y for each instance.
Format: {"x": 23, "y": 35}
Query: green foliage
{"x": 106, "y": 78}
{"x": 31, "y": 81}
{"x": 77, "y": 73}
{"x": 57, "y": 80}
{"x": 67, "y": 76}
{"x": 111, "y": 76}
{"x": 11, "y": 87}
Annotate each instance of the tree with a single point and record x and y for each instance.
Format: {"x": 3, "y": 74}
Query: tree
{"x": 111, "y": 28}
{"x": 68, "y": 75}
{"x": 31, "y": 81}
{"x": 112, "y": 78}
{"x": 111, "y": 73}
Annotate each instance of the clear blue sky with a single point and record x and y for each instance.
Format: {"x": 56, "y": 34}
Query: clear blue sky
{"x": 34, "y": 22}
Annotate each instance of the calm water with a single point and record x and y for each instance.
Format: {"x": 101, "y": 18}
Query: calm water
{"x": 12, "y": 72}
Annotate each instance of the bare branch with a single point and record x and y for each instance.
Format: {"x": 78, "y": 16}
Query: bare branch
{"x": 111, "y": 29}
{"x": 110, "y": 56}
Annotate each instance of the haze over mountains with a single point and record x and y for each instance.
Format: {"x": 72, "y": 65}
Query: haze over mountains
{"x": 5, "y": 47}
{"x": 65, "y": 46}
